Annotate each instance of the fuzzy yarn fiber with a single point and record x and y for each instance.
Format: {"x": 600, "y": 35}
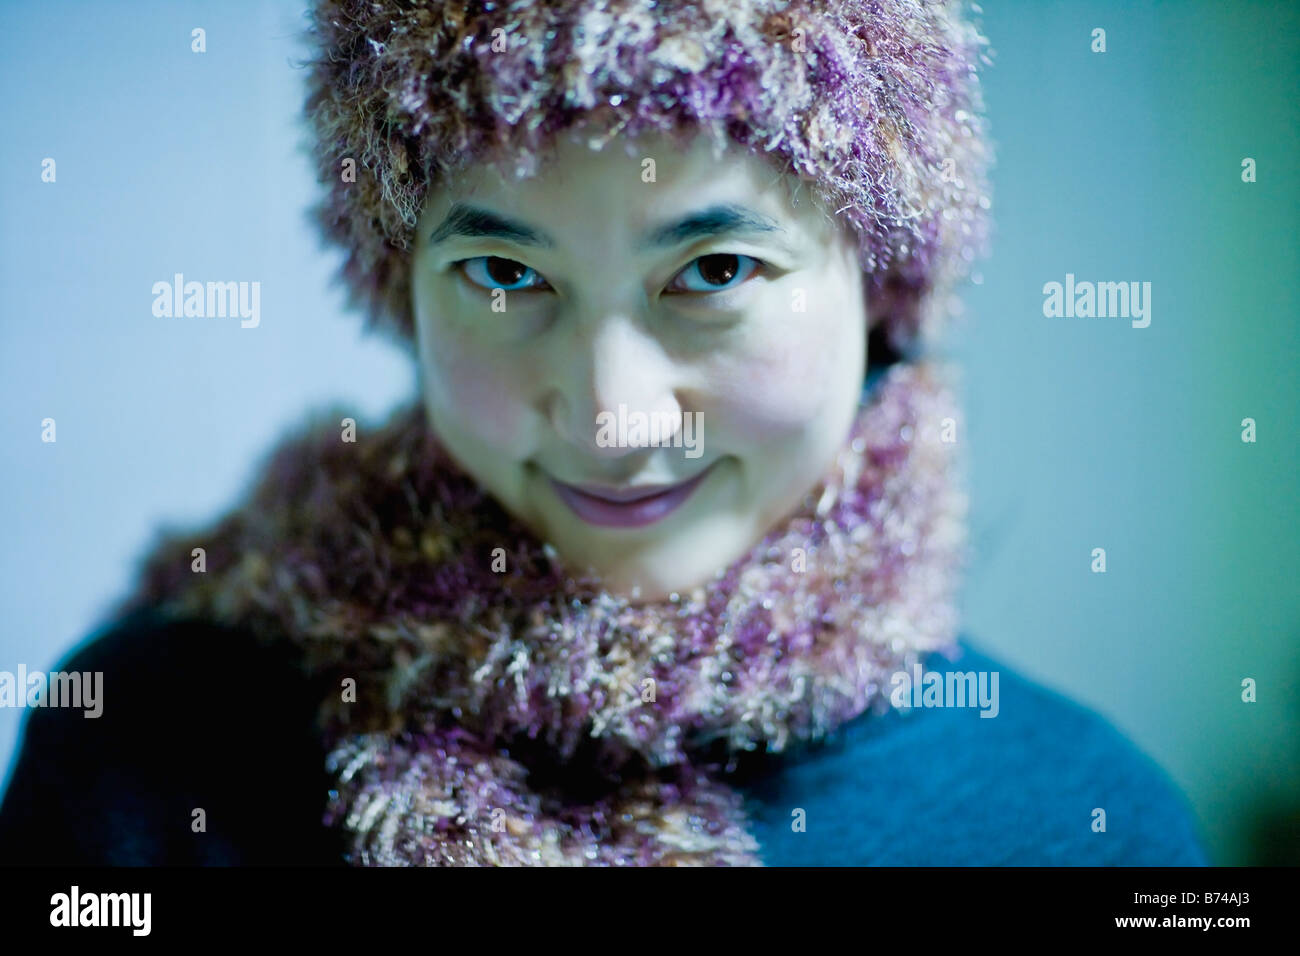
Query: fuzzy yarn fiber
{"x": 875, "y": 103}
{"x": 527, "y": 716}
{"x": 522, "y": 714}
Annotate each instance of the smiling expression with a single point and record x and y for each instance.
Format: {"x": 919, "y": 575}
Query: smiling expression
{"x": 705, "y": 301}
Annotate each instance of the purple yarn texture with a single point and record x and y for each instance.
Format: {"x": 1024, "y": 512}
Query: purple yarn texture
{"x": 530, "y": 716}
{"x": 375, "y": 559}
{"x": 875, "y": 103}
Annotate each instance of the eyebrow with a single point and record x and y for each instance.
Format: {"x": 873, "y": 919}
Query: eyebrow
{"x": 724, "y": 219}
{"x": 473, "y": 222}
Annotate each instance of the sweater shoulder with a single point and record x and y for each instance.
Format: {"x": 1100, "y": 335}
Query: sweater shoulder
{"x": 205, "y": 751}
{"x": 1040, "y": 780}
{"x": 320, "y": 483}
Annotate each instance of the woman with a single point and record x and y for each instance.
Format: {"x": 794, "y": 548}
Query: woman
{"x": 661, "y": 568}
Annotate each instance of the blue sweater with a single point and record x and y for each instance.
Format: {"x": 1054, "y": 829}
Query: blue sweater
{"x": 200, "y": 716}
{"x": 947, "y": 787}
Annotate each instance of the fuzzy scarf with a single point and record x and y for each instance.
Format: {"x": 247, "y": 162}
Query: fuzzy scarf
{"x": 524, "y": 716}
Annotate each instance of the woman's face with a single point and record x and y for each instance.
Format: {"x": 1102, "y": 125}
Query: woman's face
{"x": 648, "y": 364}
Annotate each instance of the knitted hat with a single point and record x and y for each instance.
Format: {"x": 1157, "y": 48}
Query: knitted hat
{"x": 875, "y": 103}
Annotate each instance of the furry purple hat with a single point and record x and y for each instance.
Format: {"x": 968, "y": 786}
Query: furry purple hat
{"x": 875, "y": 103}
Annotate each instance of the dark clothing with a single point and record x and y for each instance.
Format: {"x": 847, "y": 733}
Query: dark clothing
{"x": 196, "y": 716}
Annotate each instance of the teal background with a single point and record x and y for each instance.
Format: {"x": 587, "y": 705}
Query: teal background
{"x": 1089, "y": 433}
{"x": 1083, "y": 433}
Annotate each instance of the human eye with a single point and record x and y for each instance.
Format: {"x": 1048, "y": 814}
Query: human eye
{"x": 495, "y": 272}
{"x": 716, "y": 272}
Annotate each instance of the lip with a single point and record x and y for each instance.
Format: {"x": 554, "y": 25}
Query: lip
{"x": 626, "y": 507}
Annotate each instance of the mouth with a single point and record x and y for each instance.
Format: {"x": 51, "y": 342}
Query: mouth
{"x": 636, "y": 506}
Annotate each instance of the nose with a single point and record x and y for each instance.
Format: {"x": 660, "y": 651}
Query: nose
{"x": 613, "y": 393}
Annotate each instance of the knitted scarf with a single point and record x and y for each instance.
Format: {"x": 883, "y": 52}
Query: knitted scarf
{"x": 493, "y": 708}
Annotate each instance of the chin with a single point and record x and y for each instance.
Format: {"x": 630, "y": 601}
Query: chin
{"x": 640, "y": 583}
{"x": 682, "y": 563}
{"x": 681, "y": 554}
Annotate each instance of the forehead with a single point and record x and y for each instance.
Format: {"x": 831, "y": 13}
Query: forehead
{"x": 628, "y": 186}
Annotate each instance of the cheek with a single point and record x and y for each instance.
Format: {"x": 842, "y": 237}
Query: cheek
{"x": 478, "y": 392}
{"x": 795, "y": 369}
